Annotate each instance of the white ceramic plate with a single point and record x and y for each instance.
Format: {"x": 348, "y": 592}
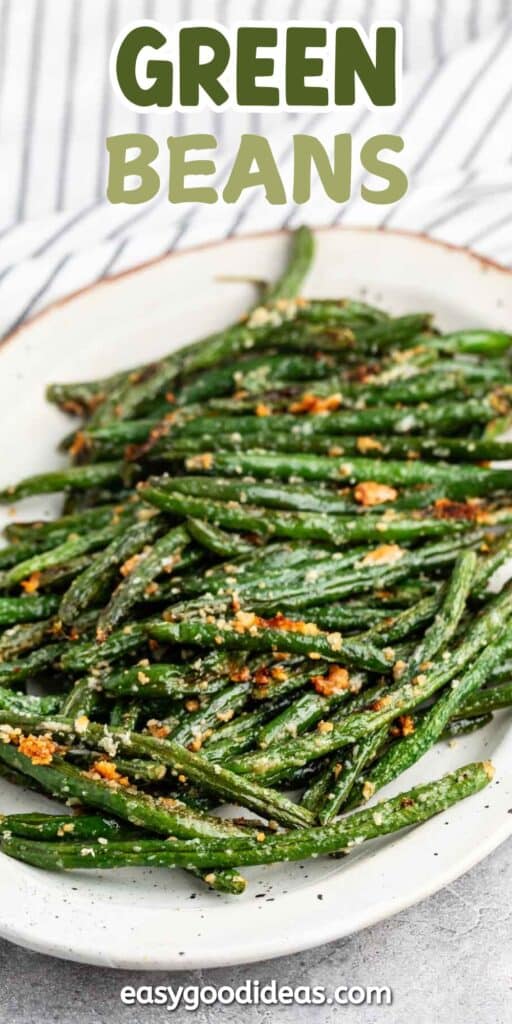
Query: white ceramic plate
{"x": 151, "y": 919}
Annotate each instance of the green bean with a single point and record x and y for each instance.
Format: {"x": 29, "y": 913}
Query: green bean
{"x": 443, "y": 416}
{"x": 169, "y": 817}
{"x": 213, "y": 777}
{"x": 274, "y": 764}
{"x": 489, "y": 565}
{"x": 348, "y": 311}
{"x": 487, "y": 343}
{"x": 304, "y": 525}
{"x": 465, "y": 726}
{"x": 152, "y": 681}
{"x": 220, "y": 708}
{"x": 304, "y": 712}
{"x": 372, "y": 444}
{"x": 186, "y": 821}
{"x": 87, "y": 588}
{"x": 341, "y": 777}
{"x": 58, "y": 530}
{"x": 81, "y": 699}
{"x": 61, "y": 554}
{"x": 162, "y": 557}
{"x": 298, "y": 594}
{"x": 205, "y": 675}
{"x": 127, "y": 397}
{"x": 238, "y": 735}
{"x": 330, "y": 646}
{"x": 26, "y": 609}
{"x": 14, "y": 553}
{"x": 125, "y": 714}
{"x": 299, "y": 262}
{"x": 17, "y": 671}
{"x": 351, "y": 615}
{"x": 80, "y": 398}
{"x": 447, "y": 618}
{"x": 457, "y": 482}
{"x": 18, "y": 779}
{"x": 134, "y": 768}
{"x": 18, "y": 640}
{"x": 77, "y": 478}
{"x": 60, "y": 826}
{"x": 253, "y": 375}
{"x": 402, "y": 624}
{"x": 58, "y": 576}
{"x": 397, "y": 331}
{"x": 29, "y": 704}
{"x": 82, "y": 657}
{"x": 406, "y": 809}
{"x": 484, "y": 701}
{"x": 407, "y": 751}
{"x": 268, "y": 495}
{"x": 223, "y": 544}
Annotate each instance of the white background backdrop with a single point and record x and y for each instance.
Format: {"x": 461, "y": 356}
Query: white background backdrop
{"x": 448, "y": 960}
{"x": 57, "y": 105}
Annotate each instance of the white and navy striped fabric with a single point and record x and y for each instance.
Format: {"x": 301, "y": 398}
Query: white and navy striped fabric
{"x": 59, "y": 233}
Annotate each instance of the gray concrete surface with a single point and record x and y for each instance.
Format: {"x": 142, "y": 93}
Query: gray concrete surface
{"x": 447, "y": 960}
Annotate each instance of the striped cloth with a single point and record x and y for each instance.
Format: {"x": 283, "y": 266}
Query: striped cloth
{"x": 57, "y": 230}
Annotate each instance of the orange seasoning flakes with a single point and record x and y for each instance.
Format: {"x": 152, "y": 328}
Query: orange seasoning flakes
{"x": 31, "y": 585}
{"x": 406, "y": 723}
{"x": 371, "y": 493}
{"x": 336, "y": 680}
{"x": 74, "y": 408}
{"x": 130, "y": 564}
{"x": 368, "y": 444}
{"x": 39, "y": 749}
{"x": 446, "y": 509}
{"x": 265, "y": 675}
{"x": 279, "y": 674}
{"x": 202, "y": 461}
{"x": 280, "y": 621}
{"x": 314, "y": 405}
{"x": 79, "y": 445}
{"x": 262, "y": 409}
{"x": 245, "y": 622}
{"x": 499, "y": 403}
{"x": 380, "y": 703}
{"x": 248, "y": 622}
{"x": 239, "y": 674}
{"x": 384, "y": 554}
{"x": 108, "y": 771}
{"x": 170, "y": 563}
{"x": 406, "y": 801}
{"x": 157, "y": 729}
{"x": 262, "y": 677}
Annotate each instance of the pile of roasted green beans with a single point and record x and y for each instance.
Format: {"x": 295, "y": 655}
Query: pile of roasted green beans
{"x": 270, "y": 576}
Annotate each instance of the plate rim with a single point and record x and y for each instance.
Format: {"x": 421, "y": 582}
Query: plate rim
{"x": 263, "y": 947}
{"x": 420, "y": 236}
